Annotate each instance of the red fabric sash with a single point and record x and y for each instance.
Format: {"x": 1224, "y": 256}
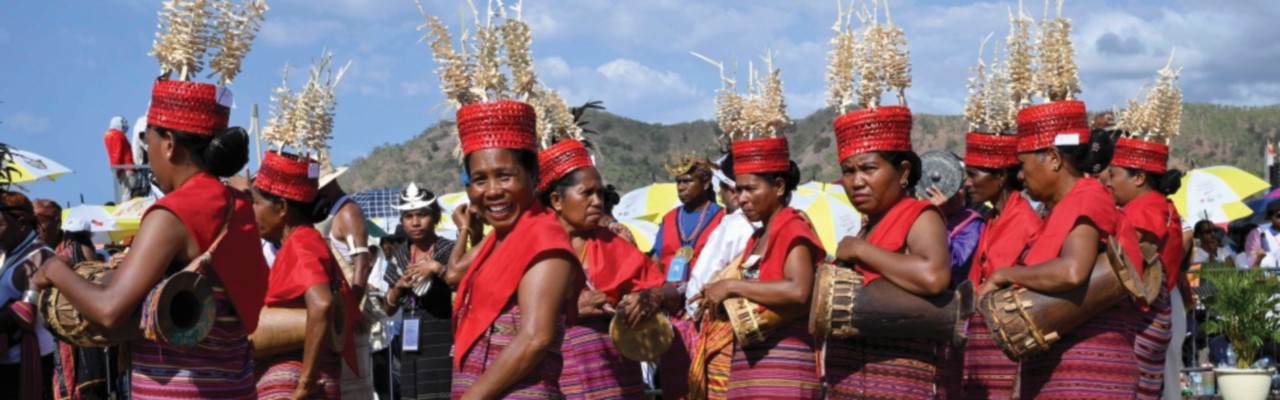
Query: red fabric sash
{"x": 614, "y": 266}
{"x": 1086, "y": 202}
{"x": 495, "y": 274}
{"x": 1153, "y": 214}
{"x": 304, "y": 261}
{"x": 1012, "y": 228}
{"x": 786, "y": 229}
{"x": 201, "y": 206}
{"x": 890, "y": 233}
{"x": 671, "y": 239}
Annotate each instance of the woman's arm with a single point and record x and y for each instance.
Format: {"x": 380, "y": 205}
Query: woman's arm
{"x": 791, "y": 293}
{"x": 923, "y": 270}
{"x": 319, "y": 299}
{"x": 460, "y": 259}
{"x": 162, "y": 240}
{"x": 540, "y": 296}
{"x": 1067, "y": 271}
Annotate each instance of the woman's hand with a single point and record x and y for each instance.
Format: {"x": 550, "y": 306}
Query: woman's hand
{"x": 41, "y": 281}
{"x": 305, "y": 390}
{"x": 712, "y": 295}
{"x": 592, "y": 303}
{"x": 996, "y": 281}
{"x": 935, "y": 196}
{"x": 639, "y": 306}
{"x": 847, "y": 250}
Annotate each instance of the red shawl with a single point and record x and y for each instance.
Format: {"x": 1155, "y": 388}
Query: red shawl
{"x": 1155, "y": 215}
{"x": 614, "y": 266}
{"x": 1012, "y": 228}
{"x": 200, "y": 203}
{"x": 495, "y": 274}
{"x": 786, "y": 229}
{"x": 890, "y": 233}
{"x": 305, "y": 261}
{"x": 1086, "y": 202}
{"x": 671, "y": 238}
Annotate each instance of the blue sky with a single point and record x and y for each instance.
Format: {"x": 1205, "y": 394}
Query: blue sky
{"x": 71, "y": 65}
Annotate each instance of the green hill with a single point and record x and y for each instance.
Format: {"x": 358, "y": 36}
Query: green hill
{"x": 631, "y": 153}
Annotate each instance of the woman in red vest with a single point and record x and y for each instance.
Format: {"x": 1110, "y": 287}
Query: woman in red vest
{"x": 304, "y": 275}
{"x": 991, "y": 176}
{"x": 619, "y": 278}
{"x": 1095, "y": 360}
{"x": 189, "y": 147}
{"x": 510, "y": 307}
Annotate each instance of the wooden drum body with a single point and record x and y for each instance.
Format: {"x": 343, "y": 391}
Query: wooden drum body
{"x": 67, "y": 324}
{"x": 844, "y": 307}
{"x": 281, "y": 330}
{"x": 1024, "y": 322}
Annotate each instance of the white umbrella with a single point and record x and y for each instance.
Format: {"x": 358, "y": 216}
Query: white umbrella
{"x": 94, "y": 219}
{"x": 830, "y": 212}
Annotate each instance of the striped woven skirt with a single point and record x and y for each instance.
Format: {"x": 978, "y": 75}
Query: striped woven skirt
{"x": 673, "y": 367}
{"x": 594, "y": 369}
{"x": 218, "y": 367}
{"x": 1095, "y": 361}
{"x": 869, "y": 368}
{"x": 1151, "y": 344}
{"x": 987, "y": 372}
{"x": 278, "y": 376}
{"x": 781, "y": 367}
{"x": 541, "y": 383}
{"x": 428, "y": 372}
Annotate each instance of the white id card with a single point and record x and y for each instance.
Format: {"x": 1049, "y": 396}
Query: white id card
{"x": 411, "y": 334}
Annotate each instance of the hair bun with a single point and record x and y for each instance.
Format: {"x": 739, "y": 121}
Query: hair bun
{"x": 228, "y": 152}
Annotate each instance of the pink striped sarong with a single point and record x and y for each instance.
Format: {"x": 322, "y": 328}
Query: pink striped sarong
{"x": 987, "y": 372}
{"x": 218, "y": 367}
{"x": 1151, "y": 344}
{"x": 1095, "y": 361}
{"x": 782, "y": 367}
{"x": 868, "y": 368}
{"x": 278, "y": 376}
{"x": 593, "y": 367}
{"x": 542, "y": 383}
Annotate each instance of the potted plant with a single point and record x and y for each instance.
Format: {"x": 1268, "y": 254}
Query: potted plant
{"x": 1242, "y": 307}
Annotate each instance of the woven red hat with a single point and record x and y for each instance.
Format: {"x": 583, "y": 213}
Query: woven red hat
{"x": 1141, "y": 154}
{"x": 884, "y": 128}
{"x": 763, "y": 155}
{"x": 288, "y": 176}
{"x": 559, "y": 159}
{"x": 990, "y": 151}
{"x": 1059, "y": 123}
{"x": 192, "y": 107}
{"x": 502, "y": 124}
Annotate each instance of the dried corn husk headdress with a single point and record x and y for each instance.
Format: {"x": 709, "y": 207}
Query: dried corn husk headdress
{"x": 753, "y": 122}
{"x": 863, "y": 65}
{"x": 1151, "y": 124}
{"x": 303, "y": 121}
{"x": 188, "y": 31}
{"x": 474, "y": 72}
{"x": 989, "y": 111}
{"x": 1061, "y": 120}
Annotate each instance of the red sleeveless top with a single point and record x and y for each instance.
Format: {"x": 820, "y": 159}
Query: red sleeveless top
{"x": 200, "y": 203}
{"x": 1003, "y": 238}
{"x": 671, "y": 238}
{"x": 304, "y": 261}
{"x": 496, "y": 271}
{"x": 1155, "y": 215}
{"x": 614, "y": 266}
{"x": 1090, "y": 203}
{"x": 890, "y": 233}
{"x": 786, "y": 229}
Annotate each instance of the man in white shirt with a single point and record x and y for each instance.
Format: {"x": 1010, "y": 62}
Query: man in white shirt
{"x": 1267, "y": 244}
{"x": 726, "y": 242}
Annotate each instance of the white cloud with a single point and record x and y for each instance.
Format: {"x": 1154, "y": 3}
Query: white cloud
{"x": 414, "y": 88}
{"x": 28, "y": 123}
{"x": 636, "y": 80}
{"x": 287, "y": 32}
{"x": 552, "y": 68}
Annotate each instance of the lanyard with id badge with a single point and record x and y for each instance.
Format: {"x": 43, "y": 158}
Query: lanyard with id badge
{"x": 413, "y": 323}
{"x": 678, "y": 270}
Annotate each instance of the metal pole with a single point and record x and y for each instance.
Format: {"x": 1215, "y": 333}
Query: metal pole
{"x": 257, "y": 136}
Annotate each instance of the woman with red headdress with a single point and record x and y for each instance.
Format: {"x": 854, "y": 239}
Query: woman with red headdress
{"x": 619, "y": 278}
{"x": 1094, "y": 360}
{"x": 991, "y": 177}
{"x": 774, "y": 274}
{"x": 903, "y": 239}
{"x": 305, "y": 274}
{"x": 188, "y": 147}
{"x": 513, "y": 290}
{"x": 1141, "y": 182}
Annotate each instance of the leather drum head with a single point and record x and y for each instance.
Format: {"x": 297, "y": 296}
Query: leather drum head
{"x": 646, "y": 342}
{"x": 940, "y": 169}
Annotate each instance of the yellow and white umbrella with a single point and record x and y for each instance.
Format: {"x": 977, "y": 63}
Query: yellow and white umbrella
{"x": 29, "y": 167}
{"x": 829, "y": 210}
{"x": 1216, "y": 194}
{"x": 448, "y": 202}
{"x": 649, "y": 203}
{"x": 643, "y": 231}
